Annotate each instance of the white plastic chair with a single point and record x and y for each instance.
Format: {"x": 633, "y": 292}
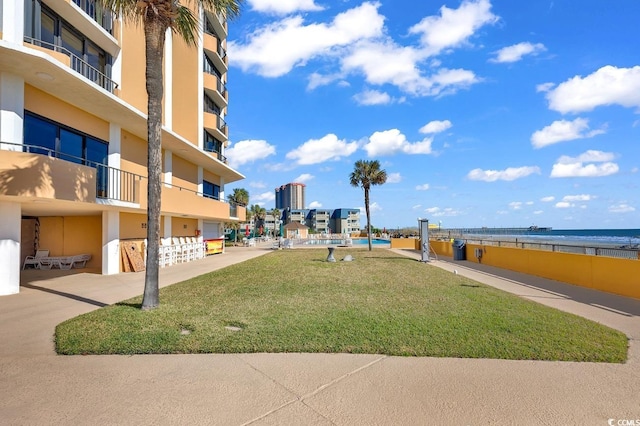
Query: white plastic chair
{"x": 35, "y": 260}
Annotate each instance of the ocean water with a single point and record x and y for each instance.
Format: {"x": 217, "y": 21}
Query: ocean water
{"x": 607, "y": 237}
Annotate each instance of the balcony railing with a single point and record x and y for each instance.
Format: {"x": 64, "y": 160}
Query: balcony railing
{"x": 78, "y": 65}
{"x": 217, "y": 154}
{"x": 209, "y": 29}
{"x": 112, "y": 183}
{"x": 94, "y": 9}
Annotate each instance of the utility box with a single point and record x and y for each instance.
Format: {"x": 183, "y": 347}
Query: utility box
{"x": 459, "y": 250}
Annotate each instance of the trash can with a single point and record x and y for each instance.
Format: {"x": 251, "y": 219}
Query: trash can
{"x": 459, "y": 252}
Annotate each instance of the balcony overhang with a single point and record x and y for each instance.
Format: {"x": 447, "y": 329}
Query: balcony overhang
{"x": 43, "y": 71}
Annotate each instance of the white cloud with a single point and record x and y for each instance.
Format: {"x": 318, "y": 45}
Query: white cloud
{"x": 515, "y": 205}
{"x": 305, "y": 177}
{"x": 282, "y": 7}
{"x": 446, "y": 212}
{"x": 327, "y": 148}
{"x": 607, "y": 86}
{"x": 373, "y": 97}
{"x": 357, "y": 41}
{"x": 621, "y": 208}
{"x": 453, "y": 27}
{"x": 435, "y": 127}
{"x": 589, "y": 164}
{"x": 248, "y": 151}
{"x": 314, "y": 205}
{"x": 257, "y": 185}
{"x": 563, "y": 205}
{"x": 563, "y": 130}
{"x": 537, "y": 212}
{"x": 516, "y": 52}
{"x": 423, "y": 187}
{"x": 262, "y": 198}
{"x": 581, "y": 197}
{"x": 509, "y": 174}
{"x": 273, "y": 50}
{"x": 548, "y": 199}
{"x": 544, "y": 87}
{"x": 394, "y": 178}
{"x": 392, "y": 141}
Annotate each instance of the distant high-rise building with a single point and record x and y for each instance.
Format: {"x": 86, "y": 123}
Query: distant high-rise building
{"x": 290, "y": 196}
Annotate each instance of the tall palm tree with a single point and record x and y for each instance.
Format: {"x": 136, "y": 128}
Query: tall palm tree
{"x": 156, "y": 17}
{"x": 367, "y": 173}
{"x": 258, "y": 213}
{"x": 275, "y": 212}
{"x": 240, "y": 196}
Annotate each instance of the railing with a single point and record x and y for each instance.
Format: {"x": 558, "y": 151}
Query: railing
{"x": 208, "y": 29}
{"x": 111, "y": 183}
{"x": 608, "y": 251}
{"x": 222, "y": 88}
{"x": 209, "y": 68}
{"x": 78, "y": 65}
{"x": 94, "y": 9}
{"x": 216, "y": 154}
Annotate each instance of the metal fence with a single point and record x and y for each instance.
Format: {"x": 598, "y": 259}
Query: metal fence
{"x": 608, "y": 251}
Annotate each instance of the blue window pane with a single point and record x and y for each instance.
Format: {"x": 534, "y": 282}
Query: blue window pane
{"x": 70, "y": 146}
{"x": 39, "y": 133}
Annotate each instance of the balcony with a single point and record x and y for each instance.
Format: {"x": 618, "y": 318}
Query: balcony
{"x": 215, "y": 125}
{"x": 75, "y": 63}
{"x": 215, "y": 89}
{"x": 94, "y": 9}
{"x": 35, "y": 174}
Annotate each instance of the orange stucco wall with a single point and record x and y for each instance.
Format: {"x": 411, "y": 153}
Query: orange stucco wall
{"x": 133, "y": 88}
{"x": 185, "y": 90}
{"x": 133, "y": 154}
{"x": 53, "y": 108}
{"x": 32, "y": 175}
{"x": 185, "y": 174}
{"x": 183, "y": 227}
{"x": 613, "y": 275}
{"x": 211, "y": 177}
{"x": 71, "y": 235}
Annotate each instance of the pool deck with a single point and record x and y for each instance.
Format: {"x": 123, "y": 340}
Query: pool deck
{"x": 40, "y": 387}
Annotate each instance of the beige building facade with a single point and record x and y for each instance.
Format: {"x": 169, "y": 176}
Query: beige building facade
{"x": 73, "y": 150}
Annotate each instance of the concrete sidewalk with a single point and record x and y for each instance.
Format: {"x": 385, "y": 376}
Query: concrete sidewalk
{"x": 39, "y": 387}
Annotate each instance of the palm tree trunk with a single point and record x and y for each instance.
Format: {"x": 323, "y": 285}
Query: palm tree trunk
{"x": 366, "y": 206}
{"x": 154, "y": 49}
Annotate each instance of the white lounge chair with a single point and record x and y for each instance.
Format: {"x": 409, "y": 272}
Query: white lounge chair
{"x": 35, "y": 260}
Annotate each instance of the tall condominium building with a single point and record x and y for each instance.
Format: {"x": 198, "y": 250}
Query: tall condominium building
{"x": 290, "y": 196}
{"x": 73, "y": 135}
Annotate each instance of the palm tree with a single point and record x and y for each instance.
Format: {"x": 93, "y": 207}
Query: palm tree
{"x": 258, "y": 213}
{"x": 365, "y": 174}
{"x": 240, "y": 197}
{"x": 156, "y": 17}
{"x": 275, "y": 212}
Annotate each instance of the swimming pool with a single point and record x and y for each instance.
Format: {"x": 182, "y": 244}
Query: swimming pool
{"x": 342, "y": 242}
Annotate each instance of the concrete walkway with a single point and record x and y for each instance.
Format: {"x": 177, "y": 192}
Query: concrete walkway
{"x": 39, "y": 387}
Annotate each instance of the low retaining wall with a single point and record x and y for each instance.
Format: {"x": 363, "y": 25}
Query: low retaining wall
{"x": 618, "y": 276}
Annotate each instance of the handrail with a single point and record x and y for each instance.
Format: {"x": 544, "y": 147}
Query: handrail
{"x": 111, "y": 183}
{"x": 78, "y": 65}
{"x": 520, "y": 242}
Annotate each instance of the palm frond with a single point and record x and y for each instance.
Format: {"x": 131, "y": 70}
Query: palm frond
{"x": 186, "y": 25}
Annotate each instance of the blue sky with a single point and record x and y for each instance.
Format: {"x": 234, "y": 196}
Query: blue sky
{"x": 482, "y": 112}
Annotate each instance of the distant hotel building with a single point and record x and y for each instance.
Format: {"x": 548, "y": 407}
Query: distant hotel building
{"x": 290, "y": 196}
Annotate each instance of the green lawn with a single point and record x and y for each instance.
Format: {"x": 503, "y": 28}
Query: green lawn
{"x": 381, "y": 303}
